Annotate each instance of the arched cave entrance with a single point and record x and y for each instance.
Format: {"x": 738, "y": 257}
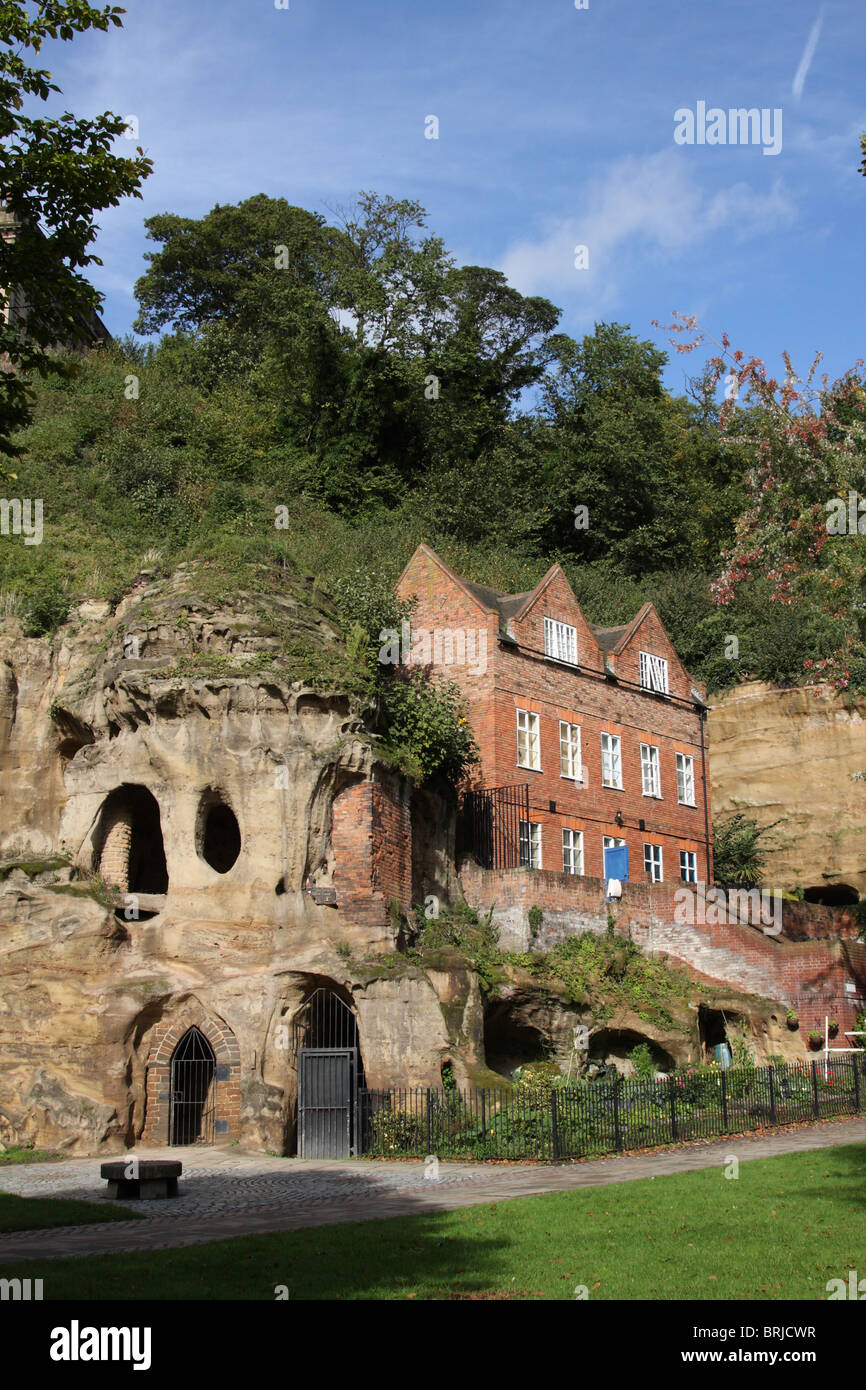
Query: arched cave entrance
{"x": 131, "y": 853}
{"x": 193, "y": 1069}
{"x": 511, "y": 1040}
{"x": 613, "y": 1045}
{"x": 327, "y": 1048}
{"x": 832, "y": 895}
{"x": 714, "y": 1026}
{"x": 192, "y": 1077}
{"x": 218, "y": 835}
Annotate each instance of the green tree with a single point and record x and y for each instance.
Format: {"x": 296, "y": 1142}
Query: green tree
{"x": 54, "y": 175}
{"x": 611, "y": 422}
{"x": 739, "y": 850}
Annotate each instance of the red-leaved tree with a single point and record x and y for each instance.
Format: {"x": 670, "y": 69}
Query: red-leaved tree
{"x": 805, "y": 526}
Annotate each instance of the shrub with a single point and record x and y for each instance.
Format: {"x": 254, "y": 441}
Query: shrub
{"x": 47, "y": 608}
{"x": 428, "y": 723}
{"x": 461, "y": 928}
{"x": 641, "y": 1059}
{"x": 738, "y": 851}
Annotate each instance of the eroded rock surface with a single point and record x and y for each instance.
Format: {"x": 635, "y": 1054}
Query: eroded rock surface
{"x": 796, "y": 757}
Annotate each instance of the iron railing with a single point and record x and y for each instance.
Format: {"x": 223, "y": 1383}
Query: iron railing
{"x": 491, "y": 824}
{"x": 603, "y": 1116}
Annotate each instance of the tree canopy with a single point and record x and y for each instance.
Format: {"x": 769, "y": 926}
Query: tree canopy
{"x": 346, "y": 374}
{"x": 55, "y": 174}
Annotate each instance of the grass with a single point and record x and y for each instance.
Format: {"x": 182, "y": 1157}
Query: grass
{"x": 25, "y": 1155}
{"x": 42, "y": 1213}
{"x": 780, "y": 1230}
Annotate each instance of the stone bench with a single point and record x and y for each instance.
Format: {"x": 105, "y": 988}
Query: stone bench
{"x": 143, "y": 1178}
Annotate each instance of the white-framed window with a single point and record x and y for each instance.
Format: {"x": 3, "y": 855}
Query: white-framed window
{"x": 688, "y": 866}
{"x": 560, "y": 641}
{"x": 572, "y": 851}
{"x": 528, "y": 742}
{"x": 654, "y": 673}
{"x": 569, "y": 751}
{"x": 530, "y": 844}
{"x": 611, "y": 761}
{"x": 652, "y": 862}
{"x": 650, "y": 776}
{"x": 685, "y": 779}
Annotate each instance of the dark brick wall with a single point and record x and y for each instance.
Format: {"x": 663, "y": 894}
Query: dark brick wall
{"x": 372, "y": 844}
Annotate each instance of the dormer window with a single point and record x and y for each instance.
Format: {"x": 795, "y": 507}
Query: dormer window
{"x": 560, "y": 641}
{"x": 654, "y": 673}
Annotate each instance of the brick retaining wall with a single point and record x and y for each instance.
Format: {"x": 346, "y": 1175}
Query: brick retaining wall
{"x": 809, "y": 974}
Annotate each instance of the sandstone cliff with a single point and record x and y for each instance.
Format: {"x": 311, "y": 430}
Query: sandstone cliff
{"x": 797, "y": 757}
{"x": 183, "y": 828}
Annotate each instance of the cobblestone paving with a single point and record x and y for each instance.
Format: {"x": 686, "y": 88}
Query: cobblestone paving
{"x": 215, "y": 1182}
{"x": 230, "y": 1194}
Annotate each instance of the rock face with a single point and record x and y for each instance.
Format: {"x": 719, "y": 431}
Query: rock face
{"x": 215, "y": 821}
{"x": 796, "y": 757}
{"x": 199, "y": 841}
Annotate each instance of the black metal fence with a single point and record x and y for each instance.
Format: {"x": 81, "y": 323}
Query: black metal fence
{"x": 605, "y": 1116}
{"x": 491, "y": 824}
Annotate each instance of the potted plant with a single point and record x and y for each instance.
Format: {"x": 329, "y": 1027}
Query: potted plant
{"x": 792, "y": 1020}
{"x": 832, "y": 1027}
{"x": 816, "y": 1040}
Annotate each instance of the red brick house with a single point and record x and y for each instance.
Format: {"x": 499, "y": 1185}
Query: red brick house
{"x": 589, "y": 737}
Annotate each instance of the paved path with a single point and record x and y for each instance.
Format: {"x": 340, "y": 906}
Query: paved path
{"x": 226, "y": 1193}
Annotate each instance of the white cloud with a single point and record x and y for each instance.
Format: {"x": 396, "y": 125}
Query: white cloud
{"x": 643, "y": 210}
{"x": 808, "y": 54}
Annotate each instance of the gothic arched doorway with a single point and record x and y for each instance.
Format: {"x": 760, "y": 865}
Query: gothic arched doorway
{"x": 193, "y": 1066}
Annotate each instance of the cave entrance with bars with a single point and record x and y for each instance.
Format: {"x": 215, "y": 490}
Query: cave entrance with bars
{"x": 327, "y": 1050}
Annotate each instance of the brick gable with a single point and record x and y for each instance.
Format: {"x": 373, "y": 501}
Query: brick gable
{"x": 519, "y": 676}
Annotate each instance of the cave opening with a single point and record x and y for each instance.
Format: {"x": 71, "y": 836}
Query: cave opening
{"x": 510, "y": 1040}
{"x": 832, "y": 895}
{"x": 131, "y": 850}
{"x": 218, "y": 835}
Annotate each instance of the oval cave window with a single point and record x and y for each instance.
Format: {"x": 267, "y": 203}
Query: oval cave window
{"x": 218, "y": 838}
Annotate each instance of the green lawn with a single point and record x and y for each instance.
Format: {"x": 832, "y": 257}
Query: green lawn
{"x": 39, "y": 1213}
{"x": 29, "y": 1156}
{"x": 781, "y": 1230}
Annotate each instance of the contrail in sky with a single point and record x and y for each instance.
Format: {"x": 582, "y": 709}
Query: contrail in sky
{"x": 808, "y": 54}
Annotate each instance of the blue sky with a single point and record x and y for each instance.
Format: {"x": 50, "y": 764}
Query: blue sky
{"x": 556, "y": 128}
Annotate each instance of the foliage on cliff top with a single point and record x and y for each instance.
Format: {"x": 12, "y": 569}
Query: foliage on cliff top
{"x": 262, "y": 426}
{"x": 601, "y": 973}
{"x": 460, "y": 931}
{"x": 607, "y": 973}
{"x": 58, "y": 172}
{"x": 803, "y": 528}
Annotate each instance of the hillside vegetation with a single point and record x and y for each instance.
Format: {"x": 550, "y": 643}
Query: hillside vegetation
{"x": 325, "y": 397}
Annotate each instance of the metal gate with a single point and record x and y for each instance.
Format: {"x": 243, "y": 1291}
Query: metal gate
{"x": 330, "y": 1071}
{"x": 193, "y": 1067}
{"x": 492, "y": 824}
{"x": 327, "y": 1086}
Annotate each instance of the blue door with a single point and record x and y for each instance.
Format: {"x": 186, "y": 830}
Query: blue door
{"x": 616, "y": 863}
